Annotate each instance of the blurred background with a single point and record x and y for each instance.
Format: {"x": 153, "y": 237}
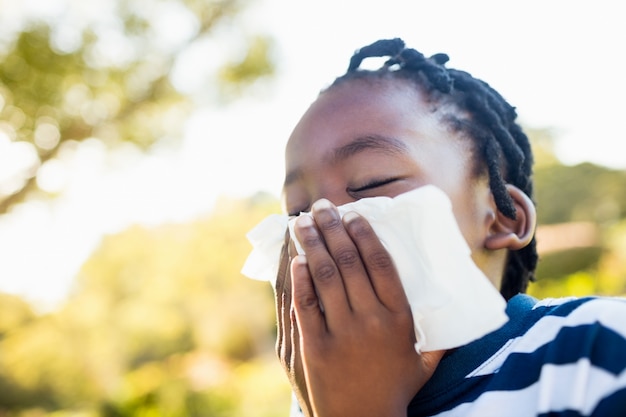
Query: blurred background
{"x": 141, "y": 139}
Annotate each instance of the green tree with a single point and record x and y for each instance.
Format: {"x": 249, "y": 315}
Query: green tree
{"x": 70, "y": 77}
{"x": 160, "y": 322}
{"x": 581, "y": 214}
{"x": 583, "y": 192}
{"x": 591, "y": 259}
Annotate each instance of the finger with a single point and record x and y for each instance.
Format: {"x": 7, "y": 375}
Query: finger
{"x": 378, "y": 262}
{"x": 283, "y": 306}
{"x": 283, "y": 265}
{"x": 297, "y": 367}
{"x": 322, "y": 273}
{"x": 308, "y": 313}
{"x": 345, "y": 255}
{"x": 292, "y": 251}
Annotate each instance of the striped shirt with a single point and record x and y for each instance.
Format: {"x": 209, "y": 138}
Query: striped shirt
{"x": 557, "y": 357}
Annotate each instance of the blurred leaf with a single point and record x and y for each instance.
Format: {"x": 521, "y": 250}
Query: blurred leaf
{"x": 255, "y": 62}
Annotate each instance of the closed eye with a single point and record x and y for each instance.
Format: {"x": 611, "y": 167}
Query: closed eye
{"x": 372, "y": 184}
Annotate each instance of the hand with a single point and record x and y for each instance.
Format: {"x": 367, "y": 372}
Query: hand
{"x": 287, "y": 340}
{"x": 354, "y": 321}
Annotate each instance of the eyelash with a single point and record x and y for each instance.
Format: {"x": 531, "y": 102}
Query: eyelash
{"x": 372, "y": 184}
{"x": 368, "y": 186}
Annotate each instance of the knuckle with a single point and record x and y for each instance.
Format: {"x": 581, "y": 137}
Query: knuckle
{"x": 286, "y": 357}
{"x": 311, "y": 240}
{"x": 282, "y": 285}
{"x": 380, "y": 260}
{"x": 307, "y": 301}
{"x": 375, "y": 324}
{"x": 325, "y": 272}
{"x": 331, "y": 223}
{"x": 347, "y": 257}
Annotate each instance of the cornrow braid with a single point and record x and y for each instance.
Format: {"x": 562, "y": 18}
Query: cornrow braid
{"x": 501, "y": 146}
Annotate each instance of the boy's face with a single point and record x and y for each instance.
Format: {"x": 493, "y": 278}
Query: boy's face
{"x": 367, "y": 138}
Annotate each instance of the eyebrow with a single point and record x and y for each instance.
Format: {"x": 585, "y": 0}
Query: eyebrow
{"x": 371, "y": 142}
{"x": 378, "y": 143}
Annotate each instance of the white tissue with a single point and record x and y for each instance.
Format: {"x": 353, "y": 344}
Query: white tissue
{"x": 452, "y": 301}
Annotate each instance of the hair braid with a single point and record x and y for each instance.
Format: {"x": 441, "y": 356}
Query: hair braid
{"x": 501, "y": 146}
{"x": 383, "y": 47}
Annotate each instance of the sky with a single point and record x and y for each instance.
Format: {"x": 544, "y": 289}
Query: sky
{"x": 559, "y": 62}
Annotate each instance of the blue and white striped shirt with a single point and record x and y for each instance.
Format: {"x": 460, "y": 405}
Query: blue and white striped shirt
{"x": 557, "y": 357}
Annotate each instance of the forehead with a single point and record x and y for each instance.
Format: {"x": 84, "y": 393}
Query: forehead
{"x": 364, "y": 108}
{"x": 386, "y": 102}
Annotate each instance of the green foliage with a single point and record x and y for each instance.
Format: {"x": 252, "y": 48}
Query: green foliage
{"x": 584, "y": 192}
{"x": 255, "y": 62}
{"x": 14, "y": 313}
{"x": 53, "y": 94}
{"x": 566, "y": 262}
{"x": 161, "y": 322}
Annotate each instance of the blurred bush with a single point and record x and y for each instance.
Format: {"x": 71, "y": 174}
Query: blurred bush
{"x": 160, "y": 322}
{"x": 582, "y": 229}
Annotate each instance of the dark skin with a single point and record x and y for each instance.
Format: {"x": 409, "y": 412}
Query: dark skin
{"x": 356, "y": 356}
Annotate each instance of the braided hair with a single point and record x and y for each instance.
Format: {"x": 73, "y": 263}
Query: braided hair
{"x": 500, "y": 146}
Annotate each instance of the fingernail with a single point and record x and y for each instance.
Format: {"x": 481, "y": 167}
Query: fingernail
{"x": 304, "y": 220}
{"x": 350, "y": 216}
{"x": 299, "y": 260}
{"x": 324, "y": 211}
{"x": 322, "y": 204}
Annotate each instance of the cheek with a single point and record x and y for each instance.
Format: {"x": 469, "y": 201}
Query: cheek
{"x": 466, "y": 221}
{"x": 474, "y": 213}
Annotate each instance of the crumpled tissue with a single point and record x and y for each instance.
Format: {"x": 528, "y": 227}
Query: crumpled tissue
{"x": 452, "y": 301}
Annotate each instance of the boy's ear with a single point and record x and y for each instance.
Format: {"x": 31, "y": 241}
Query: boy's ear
{"x": 514, "y": 234}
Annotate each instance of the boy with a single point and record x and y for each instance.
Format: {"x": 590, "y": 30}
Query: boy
{"x": 412, "y": 123}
